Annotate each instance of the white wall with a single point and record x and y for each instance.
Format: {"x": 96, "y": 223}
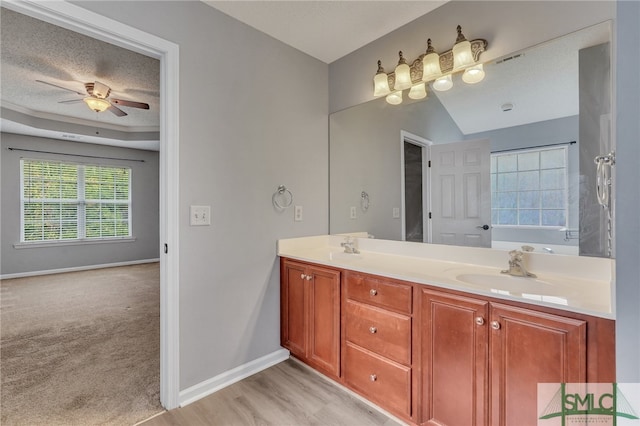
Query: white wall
{"x": 247, "y": 124}
{"x": 144, "y": 209}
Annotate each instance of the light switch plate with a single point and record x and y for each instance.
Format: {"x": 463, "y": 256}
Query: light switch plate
{"x": 200, "y": 215}
{"x": 396, "y": 212}
{"x": 297, "y": 213}
{"x": 352, "y": 213}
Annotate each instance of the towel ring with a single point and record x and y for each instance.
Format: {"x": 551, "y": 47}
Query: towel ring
{"x": 364, "y": 201}
{"x": 285, "y": 194}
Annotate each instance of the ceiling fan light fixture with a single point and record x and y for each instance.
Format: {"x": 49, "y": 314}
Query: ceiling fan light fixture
{"x": 97, "y": 104}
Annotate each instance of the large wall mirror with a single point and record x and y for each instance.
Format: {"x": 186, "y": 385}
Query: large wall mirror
{"x": 501, "y": 163}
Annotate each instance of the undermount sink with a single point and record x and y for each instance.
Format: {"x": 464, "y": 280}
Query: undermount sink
{"x": 508, "y": 283}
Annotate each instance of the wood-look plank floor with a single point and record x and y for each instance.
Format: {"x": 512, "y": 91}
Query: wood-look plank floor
{"x": 285, "y": 394}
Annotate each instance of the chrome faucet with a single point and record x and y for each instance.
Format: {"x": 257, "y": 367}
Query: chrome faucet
{"x": 349, "y": 245}
{"x": 516, "y": 263}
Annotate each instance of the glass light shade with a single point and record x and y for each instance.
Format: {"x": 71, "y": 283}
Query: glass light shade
{"x": 419, "y": 91}
{"x": 381, "y": 85}
{"x": 431, "y": 67}
{"x": 462, "y": 56}
{"x": 381, "y": 82}
{"x": 444, "y": 83}
{"x": 97, "y": 104}
{"x": 403, "y": 75}
{"x": 395, "y": 98}
{"x": 474, "y": 74}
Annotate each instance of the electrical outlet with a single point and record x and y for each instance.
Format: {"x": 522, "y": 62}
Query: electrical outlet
{"x": 353, "y": 214}
{"x": 200, "y": 215}
{"x": 396, "y": 213}
{"x": 297, "y": 213}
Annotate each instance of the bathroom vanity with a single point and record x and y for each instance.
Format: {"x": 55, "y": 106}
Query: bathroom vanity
{"x": 437, "y": 334}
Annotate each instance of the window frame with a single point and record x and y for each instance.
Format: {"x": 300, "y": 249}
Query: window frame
{"x": 566, "y": 208}
{"x": 80, "y": 201}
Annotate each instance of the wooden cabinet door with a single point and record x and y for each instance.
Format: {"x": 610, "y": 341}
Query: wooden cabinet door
{"x": 324, "y": 320}
{"x": 454, "y": 359}
{"x": 293, "y": 308}
{"x": 529, "y": 347}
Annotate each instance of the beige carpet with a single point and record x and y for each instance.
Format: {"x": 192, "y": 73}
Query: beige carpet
{"x": 81, "y": 348}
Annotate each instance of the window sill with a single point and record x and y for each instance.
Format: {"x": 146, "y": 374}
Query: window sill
{"x": 58, "y": 243}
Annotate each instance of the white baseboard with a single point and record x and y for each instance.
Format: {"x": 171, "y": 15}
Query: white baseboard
{"x": 230, "y": 377}
{"x": 76, "y": 268}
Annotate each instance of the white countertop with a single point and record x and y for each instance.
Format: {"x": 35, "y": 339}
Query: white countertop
{"x": 571, "y": 283}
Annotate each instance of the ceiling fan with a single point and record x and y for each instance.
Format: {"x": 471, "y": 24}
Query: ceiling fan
{"x": 98, "y": 99}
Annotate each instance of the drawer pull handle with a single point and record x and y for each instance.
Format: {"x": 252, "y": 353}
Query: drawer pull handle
{"x": 495, "y": 325}
{"x": 373, "y": 292}
{"x": 479, "y": 320}
{"x": 373, "y": 377}
{"x": 373, "y": 330}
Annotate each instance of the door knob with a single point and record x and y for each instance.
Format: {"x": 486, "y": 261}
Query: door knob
{"x": 485, "y": 227}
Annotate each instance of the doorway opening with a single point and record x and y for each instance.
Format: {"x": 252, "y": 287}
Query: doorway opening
{"x": 83, "y": 21}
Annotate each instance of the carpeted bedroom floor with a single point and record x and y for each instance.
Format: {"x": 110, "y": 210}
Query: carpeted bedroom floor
{"x": 81, "y": 348}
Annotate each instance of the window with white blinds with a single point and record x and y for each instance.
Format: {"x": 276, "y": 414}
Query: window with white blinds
{"x": 67, "y": 201}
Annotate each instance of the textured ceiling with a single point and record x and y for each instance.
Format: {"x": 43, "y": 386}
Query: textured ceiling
{"x": 326, "y": 30}
{"x": 35, "y": 50}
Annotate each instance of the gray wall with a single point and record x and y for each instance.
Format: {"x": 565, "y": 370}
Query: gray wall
{"x": 144, "y": 193}
{"x": 547, "y": 132}
{"x": 253, "y": 115}
{"x": 628, "y": 192}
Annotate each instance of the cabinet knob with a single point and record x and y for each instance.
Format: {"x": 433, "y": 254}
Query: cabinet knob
{"x": 373, "y": 292}
{"x": 303, "y": 276}
{"x": 373, "y": 377}
{"x": 373, "y": 330}
{"x": 309, "y": 277}
{"x": 495, "y": 325}
{"x": 479, "y": 320}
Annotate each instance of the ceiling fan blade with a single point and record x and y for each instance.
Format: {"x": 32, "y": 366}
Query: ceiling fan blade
{"x": 131, "y": 104}
{"x": 70, "y": 101}
{"x": 117, "y": 111}
{"x": 101, "y": 90}
{"x": 60, "y": 87}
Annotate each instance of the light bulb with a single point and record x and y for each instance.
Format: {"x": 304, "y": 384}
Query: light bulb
{"x": 403, "y": 74}
{"x": 395, "y": 98}
{"x": 473, "y": 75}
{"x": 418, "y": 91}
{"x": 444, "y": 83}
{"x": 381, "y": 82}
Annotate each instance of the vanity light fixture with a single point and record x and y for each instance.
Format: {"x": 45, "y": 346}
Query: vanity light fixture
{"x": 431, "y": 67}
{"x": 97, "y": 104}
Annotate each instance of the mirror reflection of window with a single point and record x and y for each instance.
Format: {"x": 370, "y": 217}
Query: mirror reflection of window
{"x": 529, "y": 188}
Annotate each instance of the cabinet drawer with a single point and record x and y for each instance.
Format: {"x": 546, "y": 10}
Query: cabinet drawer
{"x": 384, "y": 332}
{"x": 379, "y": 292}
{"x": 379, "y": 379}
